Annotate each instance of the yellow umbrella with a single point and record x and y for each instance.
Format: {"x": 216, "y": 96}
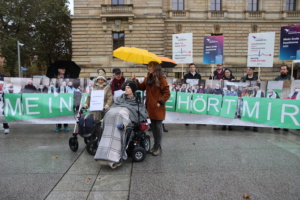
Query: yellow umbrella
{"x": 135, "y": 55}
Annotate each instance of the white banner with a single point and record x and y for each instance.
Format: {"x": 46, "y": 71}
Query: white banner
{"x": 261, "y": 49}
{"x": 97, "y": 100}
{"x": 182, "y": 47}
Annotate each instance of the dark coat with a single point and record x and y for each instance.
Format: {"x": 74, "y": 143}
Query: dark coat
{"x": 29, "y": 89}
{"x": 246, "y": 78}
{"x": 116, "y": 84}
{"x": 283, "y": 78}
{"x": 156, "y": 95}
{"x": 191, "y": 76}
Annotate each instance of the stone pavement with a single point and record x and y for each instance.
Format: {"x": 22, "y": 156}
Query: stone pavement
{"x": 198, "y": 162}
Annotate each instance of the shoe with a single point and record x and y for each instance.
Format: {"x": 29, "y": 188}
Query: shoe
{"x": 164, "y": 128}
{"x": 6, "y": 131}
{"x": 223, "y": 128}
{"x": 149, "y": 129}
{"x": 255, "y": 129}
{"x": 157, "y": 151}
{"x": 57, "y": 129}
{"x": 276, "y": 129}
{"x": 67, "y": 128}
{"x": 285, "y": 129}
{"x": 230, "y": 128}
{"x": 153, "y": 149}
{"x": 247, "y": 128}
{"x": 186, "y": 124}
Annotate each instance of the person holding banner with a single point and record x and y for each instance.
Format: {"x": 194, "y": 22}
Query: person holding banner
{"x": 192, "y": 73}
{"x": 284, "y": 76}
{"x": 250, "y": 75}
{"x": 61, "y": 74}
{"x": 218, "y": 73}
{"x": 158, "y": 93}
{"x": 228, "y": 75}
{"x": 100, "y": 84}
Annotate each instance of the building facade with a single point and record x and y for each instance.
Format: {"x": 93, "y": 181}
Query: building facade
{"x": 100, "y": 26}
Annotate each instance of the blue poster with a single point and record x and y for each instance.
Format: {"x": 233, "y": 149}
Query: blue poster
{"x": 213, "y": 49}
{"x": 290, "y": 43}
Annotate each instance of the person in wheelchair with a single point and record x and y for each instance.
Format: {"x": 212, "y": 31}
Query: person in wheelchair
{"x": 125, "y": 111}
{"x": 100, "y": 84}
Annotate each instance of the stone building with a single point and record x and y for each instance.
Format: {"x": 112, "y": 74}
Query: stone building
{"x": 100, "y": 26}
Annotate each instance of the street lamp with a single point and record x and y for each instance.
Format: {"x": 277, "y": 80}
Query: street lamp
{"x": 19, "y": 58}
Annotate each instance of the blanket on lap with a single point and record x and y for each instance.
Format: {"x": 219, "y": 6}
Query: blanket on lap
{"x": 111, "y": 149}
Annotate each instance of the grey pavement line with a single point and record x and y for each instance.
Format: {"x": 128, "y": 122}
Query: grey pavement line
{"x": 129, "y": 189}
{"x": 94, "y": 182}
{"x": 64, "y": 174}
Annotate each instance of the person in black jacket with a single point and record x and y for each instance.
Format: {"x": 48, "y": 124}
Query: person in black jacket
{"x": 192, "y": 73}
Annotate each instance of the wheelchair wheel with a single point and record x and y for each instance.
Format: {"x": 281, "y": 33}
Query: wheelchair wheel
{"x": 146, "y": 143}
{"x": 92, "y": 146}
{"x": 73, "y": 143}
{"x": 87, "y": 140}
{"x": 138, "y": 154}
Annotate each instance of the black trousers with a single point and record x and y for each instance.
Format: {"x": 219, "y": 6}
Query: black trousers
{"x": 156, "y": 126}
{"x": 5, "y": 125}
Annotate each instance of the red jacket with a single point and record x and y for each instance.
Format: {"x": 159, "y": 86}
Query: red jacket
{"x": 116, "y": 84}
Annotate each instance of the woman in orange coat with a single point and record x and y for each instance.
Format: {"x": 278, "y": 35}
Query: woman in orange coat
{"x": 157, "y": 93}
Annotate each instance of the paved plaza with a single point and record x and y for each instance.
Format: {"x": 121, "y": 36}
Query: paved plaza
{"x": 198, "y": 162}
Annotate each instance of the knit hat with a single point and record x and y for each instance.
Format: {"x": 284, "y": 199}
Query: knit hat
{"x": 131, "y": 84}
{"x": 100, "y": 77}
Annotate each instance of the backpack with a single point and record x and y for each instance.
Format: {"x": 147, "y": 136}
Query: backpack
{"x": 86, "y": 125}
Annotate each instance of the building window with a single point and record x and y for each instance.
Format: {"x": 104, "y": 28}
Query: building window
{"x": 117, "y": 2}
{"x": 118, "y": 40}
{"x": 178, "y": 4}
{"x": 290, "y": 5}
{"x": 253, "y": 5}
{"x": 215, "y": 5}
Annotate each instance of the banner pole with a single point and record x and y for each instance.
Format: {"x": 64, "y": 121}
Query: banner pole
{"x": 258, "y": 72}
{"x": 212, "y": 71}
{"x": 292, "y": 70}
{"x": 182, "y": 70}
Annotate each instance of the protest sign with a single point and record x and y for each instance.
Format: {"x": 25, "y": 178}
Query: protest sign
{"x": 213, "y": 49}
{"x": 261, "y": 49}
{"x": 182, "y": 47}
{"x": 290, "y": 43}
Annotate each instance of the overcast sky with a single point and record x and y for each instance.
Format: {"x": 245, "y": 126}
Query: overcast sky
{"x": 71, "y": 6}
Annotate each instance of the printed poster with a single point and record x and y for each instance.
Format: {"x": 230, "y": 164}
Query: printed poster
{"x": 290, "y": 43}
{"x": 213, "y": 49}
{"x": 261, "y": 49}
{"x": 182, "y": 47}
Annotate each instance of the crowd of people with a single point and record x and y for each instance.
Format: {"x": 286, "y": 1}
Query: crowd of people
{"x": 158, "y": 91}
{"x": 251, "y": 89}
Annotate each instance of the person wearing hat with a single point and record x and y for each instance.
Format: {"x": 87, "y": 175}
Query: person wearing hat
{"x": 117, "y": 82}
{"x": 100, "y": 83}
{"x": 122, "y": 113}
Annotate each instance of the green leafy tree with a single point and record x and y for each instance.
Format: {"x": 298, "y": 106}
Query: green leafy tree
{"x": 44, "y": 26}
